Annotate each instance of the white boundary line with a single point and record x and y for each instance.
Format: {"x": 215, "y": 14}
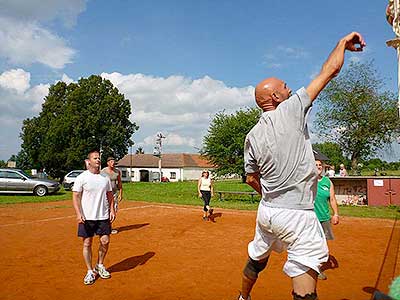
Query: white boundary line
{"x": 127, "y": 208}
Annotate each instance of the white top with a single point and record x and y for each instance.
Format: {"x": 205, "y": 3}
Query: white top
{"x": 94, "y": 188}
{"x": 330, "y": 173}
{"x": 279, "y": 148}
{"x": 205, "y": 184}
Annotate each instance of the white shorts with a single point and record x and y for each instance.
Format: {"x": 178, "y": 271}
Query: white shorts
{"x": 297, "y": 231}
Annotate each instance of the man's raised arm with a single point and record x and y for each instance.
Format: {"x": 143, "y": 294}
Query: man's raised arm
{"x": 352, "y": 42}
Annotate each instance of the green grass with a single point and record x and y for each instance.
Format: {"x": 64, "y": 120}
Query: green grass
{"x": 30, "y": 198}
{"x": 185, "y": 193}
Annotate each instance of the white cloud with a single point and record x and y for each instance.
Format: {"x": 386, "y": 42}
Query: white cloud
{"x": 25, "y": 40}
{"x": 179, "y": 107}
{"x": 355, "y": 59}
{"x": 171, "y": 139}
{"x": 18, "y": 101}
{"x": 26, "y": 43}
{"x": 44, "y": 10}
{"x": 292, "y": 52}
{"x": 16, "y": 79}
{"x": 65, "y": 78}
{"x": 274, "y": 58}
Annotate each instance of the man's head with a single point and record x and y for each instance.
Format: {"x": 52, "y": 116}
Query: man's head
{"x": 93, "y": 158}
{"x": 270, "y": 92}
{"x": 111, "y": 162}
{"x": 341, "y": 166}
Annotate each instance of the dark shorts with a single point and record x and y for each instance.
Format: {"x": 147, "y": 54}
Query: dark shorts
{"x": 90, "y": 228}
{"x": 327, "y": 227}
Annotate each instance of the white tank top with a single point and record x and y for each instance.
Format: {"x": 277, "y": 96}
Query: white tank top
{"x": 205, "y": 184}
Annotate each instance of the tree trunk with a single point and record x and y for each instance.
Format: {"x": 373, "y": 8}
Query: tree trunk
{"x": 243, "y": 178}
{"x": 354, "y": 162}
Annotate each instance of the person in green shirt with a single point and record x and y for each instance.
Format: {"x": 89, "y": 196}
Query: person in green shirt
{"x": 325, "y": 197}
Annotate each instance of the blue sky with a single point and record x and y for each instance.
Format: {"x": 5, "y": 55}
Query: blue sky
{"x": 178, "y": 62}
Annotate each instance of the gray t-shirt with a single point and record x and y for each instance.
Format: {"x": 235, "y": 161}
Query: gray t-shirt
{"x": 279, "y": 148}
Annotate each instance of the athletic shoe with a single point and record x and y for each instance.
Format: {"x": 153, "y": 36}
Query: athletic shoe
{"x": 103, "y": 273}
{"x": 90, "y": 278}
{"x": 241, "y": 297}
{"x": 322, "y": 276}
{"x": 114, "y": 231}
{"x": 205, "y": 218}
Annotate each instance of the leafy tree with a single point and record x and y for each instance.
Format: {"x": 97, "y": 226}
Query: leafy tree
{"x": 139, "y": 150}
{"x": 356, "y": 114}
{"x": 333, "y": 152}
{"x": 76, "y": 118}
{"x": 3, "y": 164}
{"x": 224, "y": 143}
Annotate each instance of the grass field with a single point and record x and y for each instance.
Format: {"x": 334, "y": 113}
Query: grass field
{"x": 185, "y": 193}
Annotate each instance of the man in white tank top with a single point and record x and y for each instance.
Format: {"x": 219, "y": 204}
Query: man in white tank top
{"x": 115, "y": 177}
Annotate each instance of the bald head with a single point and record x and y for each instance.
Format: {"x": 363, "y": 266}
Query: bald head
{"x": 270, "y": 92}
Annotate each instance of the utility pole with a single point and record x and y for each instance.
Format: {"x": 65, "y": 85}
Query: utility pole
{"x": 158, "y": 151}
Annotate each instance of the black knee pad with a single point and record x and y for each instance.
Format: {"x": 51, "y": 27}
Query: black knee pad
{"x": 311, "y": 296}
{"x": 253, "y": 267}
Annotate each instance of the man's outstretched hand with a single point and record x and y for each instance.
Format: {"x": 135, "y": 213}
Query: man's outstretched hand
{"x": 354, "y": 42}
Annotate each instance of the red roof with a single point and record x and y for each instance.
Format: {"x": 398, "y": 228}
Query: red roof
{"x": 169, "y": 160}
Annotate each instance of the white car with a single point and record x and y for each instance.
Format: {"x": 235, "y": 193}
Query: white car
{"x": 69, "y": 179}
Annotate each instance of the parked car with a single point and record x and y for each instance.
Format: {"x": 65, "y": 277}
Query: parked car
{"x": 16, "y": 181}
{"x": 69, "y": 179}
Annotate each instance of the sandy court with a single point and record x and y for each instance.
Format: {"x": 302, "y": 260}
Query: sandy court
{"x": 169, "y": 252}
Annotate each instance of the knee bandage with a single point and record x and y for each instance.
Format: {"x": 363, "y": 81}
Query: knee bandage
{"x": 311, "y": 296}
{"x": 253, "y": 267}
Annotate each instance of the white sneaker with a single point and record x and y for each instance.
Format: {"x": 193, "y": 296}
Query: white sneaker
{"x": 101, "y": 270}
{"x": 90, "y": 278}
{"x": 114, "y": 231}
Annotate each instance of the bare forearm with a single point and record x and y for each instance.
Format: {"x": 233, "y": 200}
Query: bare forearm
{"x": 334, "y": 206}
{"x": 76, "y": 202}
{"x": 254, "y": 181}
{"x": 110, "y": 198}
{"x": 334, "y": 63}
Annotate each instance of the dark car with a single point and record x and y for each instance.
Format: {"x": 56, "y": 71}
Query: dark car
{"x": 69, "y": 179}
{"x": 16, "y": 181}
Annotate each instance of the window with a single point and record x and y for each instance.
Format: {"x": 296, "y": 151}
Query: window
{"x": 173, "y": 175}
{"x": 13, "y": 175}
{"x": 123, "y": 173}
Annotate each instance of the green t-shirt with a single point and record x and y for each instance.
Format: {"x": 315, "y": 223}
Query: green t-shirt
{"x": 321, "y": 204}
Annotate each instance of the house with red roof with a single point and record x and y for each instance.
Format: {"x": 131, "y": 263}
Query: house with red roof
{"x": 174, "y": 167}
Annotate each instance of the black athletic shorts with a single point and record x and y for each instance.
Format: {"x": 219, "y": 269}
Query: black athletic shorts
{"x": 90, "y": 228}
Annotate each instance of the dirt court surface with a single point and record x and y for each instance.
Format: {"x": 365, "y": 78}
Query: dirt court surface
{"x": 169, "y": 252}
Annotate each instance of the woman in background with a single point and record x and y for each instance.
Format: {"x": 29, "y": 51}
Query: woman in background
{"x": 206, "y": 191}
{"x": 325, "y": 197}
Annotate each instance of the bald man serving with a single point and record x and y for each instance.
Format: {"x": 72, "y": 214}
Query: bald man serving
{"x": 280, "y": 165}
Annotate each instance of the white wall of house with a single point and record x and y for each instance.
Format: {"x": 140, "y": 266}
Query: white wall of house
{"x": 173, "y": 174}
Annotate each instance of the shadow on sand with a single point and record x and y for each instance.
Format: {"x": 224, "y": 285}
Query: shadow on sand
{"x": 214, "y": 216}
{"x": 131, "y": 227}
{"x": 131, "y": 262}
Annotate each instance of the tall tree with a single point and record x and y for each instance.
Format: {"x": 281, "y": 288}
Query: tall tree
{"x": 224, "y": 143}
{"x": 74, "y": 119}
{"x": 356, "y": 114}
{"x": 139, "y": 150}
{"x": 333, "y": 152}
